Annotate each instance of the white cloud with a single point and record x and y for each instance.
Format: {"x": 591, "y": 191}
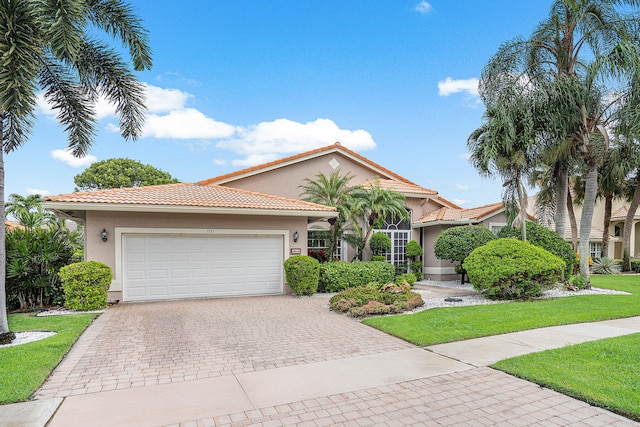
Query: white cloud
{"x": 462, "y": 186}
{"x": 423, "y": 7}
{"x": 267, "y": 141}
{"x": 465, "y": 156}
{"x": 219, "y": 162}
{"x": 450, "y": 86}
{"x": 37, "y": 191}
{"x": 461, "y": 202}
{"x": 65, "y": 156}
{"x": 186, "y": 123}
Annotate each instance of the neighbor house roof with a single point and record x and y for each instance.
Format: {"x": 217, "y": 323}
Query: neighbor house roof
{"x": 333, "y": 148}
{"x": 446, "y": 215}
{"x": 186, "y": 197}
{"x": 621, "y": 214}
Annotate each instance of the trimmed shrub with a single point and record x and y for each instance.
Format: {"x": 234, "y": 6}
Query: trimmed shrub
{"x": 379, "y": 243}
{"x": 546, "y": 239}
{"x": 303, "y": 274}
{"x": 511, "y": 269}
{"x": 374, "y": 299}
{"x": 635, "y": 265}
{"x": 578, "y": 282}
{"x": 606, "y": 265}
{"x": 85, "y": 285}
{"x": 408, "y": 278}
{"x": 378, "y": 258}
{"x": 340, "y": 275}
{"x": 412, "y": 251}
{"x": 456, "y": 243}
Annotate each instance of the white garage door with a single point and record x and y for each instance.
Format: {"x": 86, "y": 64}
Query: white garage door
{"x": 157, "y": 267}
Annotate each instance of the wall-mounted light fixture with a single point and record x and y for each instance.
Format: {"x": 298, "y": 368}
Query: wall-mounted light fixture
{"x": 295, "y": 236}
{"x": 104, "y": 235}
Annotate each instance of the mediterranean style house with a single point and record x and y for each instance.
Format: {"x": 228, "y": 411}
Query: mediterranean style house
{"x": 229, "y": 235}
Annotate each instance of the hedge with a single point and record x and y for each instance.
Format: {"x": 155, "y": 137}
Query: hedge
{"x": 340, "y": 275}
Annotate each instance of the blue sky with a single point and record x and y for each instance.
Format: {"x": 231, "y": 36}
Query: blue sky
{"x": 241, "y": 82}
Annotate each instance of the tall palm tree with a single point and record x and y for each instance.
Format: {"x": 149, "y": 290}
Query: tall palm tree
{"x": 506, "y": 145}
{"x": 334, "y": 191}
{"x": 372, "y": 204}
{"x": 580, "y": 104}
{"x": 28, "y": 210}
{"x": 46, "y": 45}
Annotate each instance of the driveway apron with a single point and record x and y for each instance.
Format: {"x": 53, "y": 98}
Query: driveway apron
{"x": 281, "y": 360}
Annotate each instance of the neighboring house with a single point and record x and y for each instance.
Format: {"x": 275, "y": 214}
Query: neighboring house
{"x": 229, "y": 235}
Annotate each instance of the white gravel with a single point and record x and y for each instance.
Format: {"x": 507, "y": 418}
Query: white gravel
{"x": 479, "y": 299}
{"x": 29, "y": 336}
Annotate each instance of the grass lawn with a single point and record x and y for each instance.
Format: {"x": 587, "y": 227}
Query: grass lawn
{"x": 440, "y": 325}
{"x": 604, "y": 373}
{"x": 23, "y": 368}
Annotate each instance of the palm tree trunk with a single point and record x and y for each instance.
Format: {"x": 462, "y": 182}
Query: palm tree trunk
{"x": 562, "y": 190}
{"x": 608, "y": 201}
{"x": 572, "y": 221}
{"x": 628, "y": 225}
{"x": 591, "y": 188}
{"x": 4, "y": 324}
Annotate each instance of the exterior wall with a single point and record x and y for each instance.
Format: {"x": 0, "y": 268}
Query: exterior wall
{"x": 434, "y": 268}
{"x": 96, "y": 221}
{"x": 285, "y": 181}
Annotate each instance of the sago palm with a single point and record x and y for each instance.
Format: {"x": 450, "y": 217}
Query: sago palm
{"x": 51, "y": 47}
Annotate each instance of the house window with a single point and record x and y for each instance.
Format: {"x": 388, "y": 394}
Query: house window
{"x": 617, "y": 231}
{"x": 595, "y": 249}
{"x": 318, "y": 244}
{"x": 399, "y": 231}
{"x": 495, "y": 227}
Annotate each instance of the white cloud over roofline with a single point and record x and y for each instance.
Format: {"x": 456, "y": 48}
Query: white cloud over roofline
{"x": 68, "y": 158}
{"x": 450, "y": 86}
{"x": 268, "y": 141}
{"x": 38, "y": 191}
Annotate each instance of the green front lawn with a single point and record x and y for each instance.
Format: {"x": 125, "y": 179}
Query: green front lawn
{"x": 604, "y": 373}
{"x": 23, "y": 368}
{"x": 440, "y": 325}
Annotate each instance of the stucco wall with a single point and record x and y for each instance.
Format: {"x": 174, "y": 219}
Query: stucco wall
{"x": 96, "y": 249}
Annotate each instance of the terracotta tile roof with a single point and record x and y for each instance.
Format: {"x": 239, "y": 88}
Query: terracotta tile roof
{"x": 621, "y": 213}
{"x": 299, "y": 157}
{"x": 189, "y": 195}
{"x": 445, "y": 214}
{"x": 447, "y": 202}
{"x": 11, "y": 225}
{"x": 402, "y": 187}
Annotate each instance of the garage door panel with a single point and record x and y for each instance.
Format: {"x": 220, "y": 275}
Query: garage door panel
{"x": 162, "y": 267}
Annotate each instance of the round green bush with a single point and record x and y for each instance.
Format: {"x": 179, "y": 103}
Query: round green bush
{"x": 85, "y": 285}
{"x": 456, "y": 243}
{"x": 511, "y": 269}
{"x": 546, "y": 239}
{"x": 303, "y": 274}
{"x": 413, "y": 249}
{"x": 380, "y": 243}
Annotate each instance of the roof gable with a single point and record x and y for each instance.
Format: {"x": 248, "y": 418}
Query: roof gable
{"x": 281, "y": 163}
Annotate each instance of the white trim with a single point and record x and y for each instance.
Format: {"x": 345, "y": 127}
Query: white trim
{"x": 496, "y": 224}
{"x": 116, "y": 207}
{"x": 116, "y": 283}
{"x": 467, "y": 221}
{"x": 439, "y": 270}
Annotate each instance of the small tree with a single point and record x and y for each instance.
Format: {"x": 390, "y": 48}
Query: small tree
{"x": 120, "y": 173}
{"x": 456, "y": 243}
{"x": 412, "y": 251}
{"x": 379, "y": 244}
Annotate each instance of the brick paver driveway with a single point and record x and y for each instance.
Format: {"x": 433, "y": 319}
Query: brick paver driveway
{"x": 135, "y": 345}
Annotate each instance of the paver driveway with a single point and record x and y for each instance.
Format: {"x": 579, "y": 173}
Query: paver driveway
{"x": 136, "y": 345}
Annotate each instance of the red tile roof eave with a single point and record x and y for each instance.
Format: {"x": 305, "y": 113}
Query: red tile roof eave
{"x": 301, "y": 156}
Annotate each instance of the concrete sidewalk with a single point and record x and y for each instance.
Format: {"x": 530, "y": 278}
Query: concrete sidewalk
{"x": 446, "y": 384}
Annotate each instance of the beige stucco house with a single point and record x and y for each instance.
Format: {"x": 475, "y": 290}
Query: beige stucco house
{"x": 229, "y": 235}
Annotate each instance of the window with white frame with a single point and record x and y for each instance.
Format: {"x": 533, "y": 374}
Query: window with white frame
{"x": 595, "y": 249}
{"x": 495, "y": 227}
{"x": 318, "y": 244}
{"x": 399, "y": 231}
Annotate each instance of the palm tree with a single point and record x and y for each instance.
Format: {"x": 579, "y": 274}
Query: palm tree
{"x": 371, "y": 205}
{"x": 28, "y": 210}
{"x": 581, "y": 104}
{"x": 331, "y": 191}
{"x": 46, "y": 46}
{"x": 506, "y": 145}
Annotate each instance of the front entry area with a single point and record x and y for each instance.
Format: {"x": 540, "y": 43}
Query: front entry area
{"x": 165, "y": 266}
